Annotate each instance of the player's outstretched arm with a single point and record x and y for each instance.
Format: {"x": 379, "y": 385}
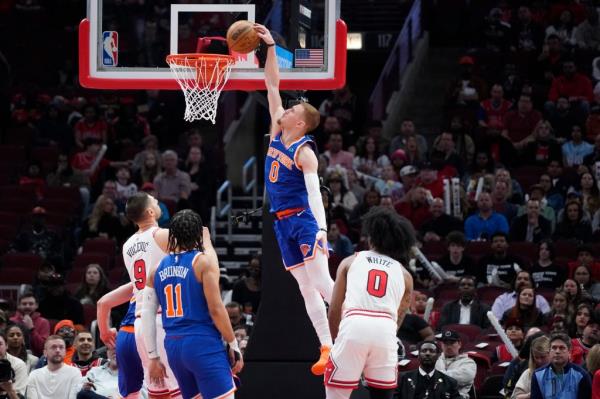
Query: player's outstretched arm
{"x": 405, "y": 303}
{"x": 307, "y": 161}
{"x": 105, "y": 304}
{"x": 157, "y": 370}
{"x": 339, "y": 295}
{"x": 271, "y": 78}
{"x": 206, "y": 269}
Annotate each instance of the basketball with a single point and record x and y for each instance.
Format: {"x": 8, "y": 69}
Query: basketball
{"x": 241, "y": 37}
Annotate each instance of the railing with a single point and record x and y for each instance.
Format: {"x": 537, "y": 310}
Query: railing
{"x": 395, "y": 66}
{"x": 224, "y": 207}
{"x": 253, "y": 183}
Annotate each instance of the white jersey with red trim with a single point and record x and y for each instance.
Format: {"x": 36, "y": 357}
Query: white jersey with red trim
{"x": 375, "y": 286}
{"x": 141, "y": 254}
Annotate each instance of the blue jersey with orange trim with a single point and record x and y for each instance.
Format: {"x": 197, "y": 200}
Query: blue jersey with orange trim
{"x": 181, "y": 297}
{"x": 129, "y": 318}
{"x": 284, "y": 180}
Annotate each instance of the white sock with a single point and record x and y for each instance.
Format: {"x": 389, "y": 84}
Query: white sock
{"x": 317, "y": 269}
{"x": 315, "y": 307}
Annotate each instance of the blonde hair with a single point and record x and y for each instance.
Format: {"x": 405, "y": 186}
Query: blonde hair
{"x": 592, "y": 361}
{"x": 312, "y": 117}
{"x": 97, "y": 212}
{"x": 539, "y": 345}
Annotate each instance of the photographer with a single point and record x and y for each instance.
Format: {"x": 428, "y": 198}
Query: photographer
{"x": 13, "y": 373}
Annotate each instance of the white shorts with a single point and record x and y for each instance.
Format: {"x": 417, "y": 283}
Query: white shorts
{"x": 171, "y": 387}
{"x": 365, "y": 345}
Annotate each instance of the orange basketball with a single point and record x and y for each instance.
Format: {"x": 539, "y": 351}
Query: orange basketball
{"x": 241, "y": 37}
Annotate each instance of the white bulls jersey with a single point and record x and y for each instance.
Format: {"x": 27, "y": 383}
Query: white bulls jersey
{"x": 375, "y": 284}
{"x": 141, "y": 253}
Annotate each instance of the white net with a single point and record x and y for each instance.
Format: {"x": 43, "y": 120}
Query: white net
{"x": 201, "y": 79}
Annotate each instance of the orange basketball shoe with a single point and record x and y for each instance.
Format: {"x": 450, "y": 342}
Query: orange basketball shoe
{"x": 319, "y": 367}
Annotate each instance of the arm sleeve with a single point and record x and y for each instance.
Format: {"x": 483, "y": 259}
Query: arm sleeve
{"x": 585, "y": 386}
{"x": 315, "y": 201}
{"x": 148, "y": 318}
{"x": 20, "y": 384}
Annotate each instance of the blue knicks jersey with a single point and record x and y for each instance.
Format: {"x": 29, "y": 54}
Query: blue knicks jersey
{"x": 129, "y": 318}
{"x": 284, "y": 181}
{"x": 181, "y": 297}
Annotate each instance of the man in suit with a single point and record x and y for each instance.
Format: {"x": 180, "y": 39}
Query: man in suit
{"x": 426, "y": 381}
{"x": 531, "y": 226}
{"x": 467, "y": 309}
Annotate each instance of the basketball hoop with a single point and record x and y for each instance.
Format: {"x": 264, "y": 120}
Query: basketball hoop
{"x": 201, "y": 78}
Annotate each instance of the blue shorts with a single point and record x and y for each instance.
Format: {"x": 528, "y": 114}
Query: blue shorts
{"x": 296, "y": 236}
{"x": 131, "y": 372}
{"x": 200, "y": 365}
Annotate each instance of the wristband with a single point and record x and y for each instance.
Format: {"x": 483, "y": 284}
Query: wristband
{"x": 322, "y": 229}
{"x": 234, "y": 345}
{"x": 270, "y": 45}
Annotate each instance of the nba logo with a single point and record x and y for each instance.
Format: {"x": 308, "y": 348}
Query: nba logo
{"x": 110, "y": 48}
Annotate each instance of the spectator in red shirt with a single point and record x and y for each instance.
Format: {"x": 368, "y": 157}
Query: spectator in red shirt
{"x": 415, "y": 207}
{"x": 90, "y": 126}
{"x": 575, "y": 86}
{"x": 520, "y": 123}
{"x": 430, "y": 180}
{"x": 589, "y": 338}
{"x": 83, "y": 160}
{"x": 493, "y": 110}
{"x": 28, "y": 316}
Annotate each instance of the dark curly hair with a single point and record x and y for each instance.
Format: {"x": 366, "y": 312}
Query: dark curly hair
{"x": 389, "y": 233}
{"x": 185, "y": 231}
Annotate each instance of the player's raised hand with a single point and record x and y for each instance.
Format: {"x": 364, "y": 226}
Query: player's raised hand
{"x": 264, "y": 34}
{"x": 109, "y": 337}
{"x": 206, "y": 235}
{"x": 157, "y": 372}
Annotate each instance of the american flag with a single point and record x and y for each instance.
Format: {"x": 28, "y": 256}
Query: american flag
{"x": 309, "y": 57}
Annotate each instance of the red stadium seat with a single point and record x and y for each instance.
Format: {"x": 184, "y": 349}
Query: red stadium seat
{"x": 524, "y": 250}
{"x": 434, "y": 248}
{"x": 490, "y": 389}
{"x": 63, "y": 193}
{"x": 65, "y": 206}
{"x": 10, "y": 218}
{"x": 89, "y": 314}
{"x": 19, "y": 206}
{"x": 46, "y": 156}
{"x": 413, "y": 364}
{"x": 82, "y": 260}
{"x": 477, "y": 248}
{"x": 498, "y": 368}
{"x": 18, "y": 275}
{"x": 565, "y": 249}
{"x": 12, "y": 153}
{"x": 23, "y": 260}
{"x": 483, "y": 366}
{"x": 75, "y": 275}
{"x": 117, "y": 276}
{"x": 489, "y": 294}
{"x": 471, "y": 331}
{"x": 100, "y": 245}
{"x": 4, "y": 245}
{"x": 8, "y": 231}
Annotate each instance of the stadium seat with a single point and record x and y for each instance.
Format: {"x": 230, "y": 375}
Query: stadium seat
{"x": 8, "y": 231}
{"x": 498, "y": 368}
{"x": 89, "y": 314}
{"x": 483, "y": 365}
{"x": 527, "y": 251}
{"x": 65, "y": 206}
{"x": 12, "y": 153}
{"x": 17, "y": 274}
{"x": 477, "y": 248}
{"x": 117, "y": 276}
{"x": 46, "y": 156}
{"x": 447, "y": 291}
{"x": 413, "y": 364}
{"x": 470, "y": 330}
{"x": 23, "y": 260}
{"x": 434, "y": 249}
{"x": 100, "y": 245}
{"x": 10, "y": 218}
{"x": 19, "y": 206}
{"x": 566, "y": 249}
{"x": 63, "y": 193}
{"x": 82, "y": 260}
{"x": 4, "y": 245}
{"x": 489, "y": 294}
{"x": 75, "y": 276}
{"x": 490, "y": 389}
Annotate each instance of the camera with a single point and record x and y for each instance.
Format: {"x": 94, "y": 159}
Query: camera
{"x": 6, "y": 371}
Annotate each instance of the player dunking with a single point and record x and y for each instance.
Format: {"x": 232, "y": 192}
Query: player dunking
{"x": 141, "y": 252}
{"x": 371, "y": 296}
{"x": 186, "y": 285}
{"x": 292, "y": 185}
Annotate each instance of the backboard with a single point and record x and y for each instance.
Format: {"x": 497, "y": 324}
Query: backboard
{"x": 123, "y": 43}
